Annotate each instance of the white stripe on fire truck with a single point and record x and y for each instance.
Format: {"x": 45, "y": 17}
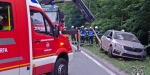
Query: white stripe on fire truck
{"x": 10, "y": 60}
{"x": 45, "y": 60}
{"x": 7, "y": 41}
{"x": 15, "y": 71}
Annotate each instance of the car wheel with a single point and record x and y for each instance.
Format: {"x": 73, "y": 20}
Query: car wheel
{"x": 142, "y": 59}
{"x": 110, "y": 51}
{"x": 60, "y": 68}
{"x": 100, "y": 47}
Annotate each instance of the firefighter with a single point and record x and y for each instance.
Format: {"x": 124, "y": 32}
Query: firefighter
{"x": 97, "y": 30}
{"x": 82, "y": 34}
{"x": 66, "y": 35}
{"x": 90, "y": 36}
{"x": 86, "y": 35}
{"x": 77, "y": 35}
{"x": 123, "y": 30}
{"x": 73, "y": 36}
{"x": 65, "y": 28}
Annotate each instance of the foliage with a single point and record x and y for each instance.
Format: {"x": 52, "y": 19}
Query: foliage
{"x": 72, "y": 15}
{"x": 131, "y": 15}
{"x": 124, "y": 65}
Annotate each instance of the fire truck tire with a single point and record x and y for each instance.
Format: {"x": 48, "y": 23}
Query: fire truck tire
{"x": 61, "y": 67}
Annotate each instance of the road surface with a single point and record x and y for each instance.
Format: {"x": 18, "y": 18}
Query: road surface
{"x": 83, "y": 64}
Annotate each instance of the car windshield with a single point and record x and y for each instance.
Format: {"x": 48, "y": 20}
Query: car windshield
{"x": 125, "y": 36}
{"x": 52, "y": 16}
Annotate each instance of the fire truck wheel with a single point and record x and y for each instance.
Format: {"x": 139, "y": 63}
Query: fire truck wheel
{"x": 61, "y": 67}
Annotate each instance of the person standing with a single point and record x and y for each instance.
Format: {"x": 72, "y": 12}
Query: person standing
{"x": 66, "y": 35}
{"x": 73, "y": 36}
{"x": 86, "y": 35}
{"x": 82, "y": 34}
{"x": 97, "y": 30}
{"x": 77, "y": 35}
{"x": 90, "y": 36}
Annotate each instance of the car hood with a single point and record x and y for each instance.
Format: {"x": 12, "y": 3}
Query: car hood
{"x": 129, "y": 43}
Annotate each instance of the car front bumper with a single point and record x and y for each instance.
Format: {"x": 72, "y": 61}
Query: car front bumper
{"x": 129, "y": 54}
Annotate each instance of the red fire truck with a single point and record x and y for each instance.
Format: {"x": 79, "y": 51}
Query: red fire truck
{"x": 26, "y": 48}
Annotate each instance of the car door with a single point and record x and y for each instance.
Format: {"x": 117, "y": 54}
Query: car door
{"x": 43, "y": 39}
{"x": 108, "y": 40}
{"x": 104, "y": 39}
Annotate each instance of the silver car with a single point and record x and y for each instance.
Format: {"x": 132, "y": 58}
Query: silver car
{"x": 124, "y": 44}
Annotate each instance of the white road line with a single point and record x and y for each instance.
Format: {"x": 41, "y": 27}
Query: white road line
{"x": 99, "y": 64}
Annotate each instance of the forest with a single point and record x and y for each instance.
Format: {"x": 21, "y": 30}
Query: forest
{"x": 130, "y": 15}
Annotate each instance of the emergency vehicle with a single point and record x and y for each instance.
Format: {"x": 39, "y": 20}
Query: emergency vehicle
{"x": 24, "y": 48}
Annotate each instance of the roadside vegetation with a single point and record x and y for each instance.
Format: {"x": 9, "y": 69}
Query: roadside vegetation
{"x": 131, "y": 15}
{"x": 123, "y": 64}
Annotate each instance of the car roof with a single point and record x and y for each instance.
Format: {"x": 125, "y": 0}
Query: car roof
{"x": 121, "y": 31}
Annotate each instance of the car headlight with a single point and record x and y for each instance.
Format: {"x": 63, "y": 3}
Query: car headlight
{"x": 118, "y": 45}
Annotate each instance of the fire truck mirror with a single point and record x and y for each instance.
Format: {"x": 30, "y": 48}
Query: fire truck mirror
{"x": 56, "y": 31}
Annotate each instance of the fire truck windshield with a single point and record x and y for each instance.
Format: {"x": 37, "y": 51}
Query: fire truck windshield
{"x": 52, "y": 16}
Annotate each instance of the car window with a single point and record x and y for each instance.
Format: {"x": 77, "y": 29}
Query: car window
{"x": 110, "y": 34}
{"x": 106, "y": 33}
{"x": 125, "y": 36}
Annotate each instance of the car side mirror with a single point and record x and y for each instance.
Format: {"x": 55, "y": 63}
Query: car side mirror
{"x": 56, "y": 31}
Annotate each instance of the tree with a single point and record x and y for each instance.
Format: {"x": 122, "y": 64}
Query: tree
{"x": 131, "y": 15}
{"x": 72, "y": 15}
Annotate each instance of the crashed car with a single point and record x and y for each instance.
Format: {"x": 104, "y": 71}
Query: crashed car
{"x": 124, "y": 44}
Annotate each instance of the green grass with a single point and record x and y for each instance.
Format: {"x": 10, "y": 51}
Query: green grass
{"x": 124, "y": 65}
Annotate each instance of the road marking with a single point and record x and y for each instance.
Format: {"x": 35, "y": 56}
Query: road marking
{"x": 99, "y": 64}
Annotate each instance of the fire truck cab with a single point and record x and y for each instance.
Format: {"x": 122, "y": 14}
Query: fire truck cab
{"x": 26, "y": 49}
{"x": 56, "y": 15}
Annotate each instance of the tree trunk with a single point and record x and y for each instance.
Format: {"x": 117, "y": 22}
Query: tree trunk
{"x": 122, "y": 19}
{"x": 89, "y": 4}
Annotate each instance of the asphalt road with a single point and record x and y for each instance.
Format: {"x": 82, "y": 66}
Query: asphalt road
{"x": 83, "y": 64}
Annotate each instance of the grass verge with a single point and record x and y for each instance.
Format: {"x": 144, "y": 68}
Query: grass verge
{"x": 124, "y": 65}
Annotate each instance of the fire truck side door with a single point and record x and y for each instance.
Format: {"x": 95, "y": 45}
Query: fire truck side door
{"x": 43, "y": 40}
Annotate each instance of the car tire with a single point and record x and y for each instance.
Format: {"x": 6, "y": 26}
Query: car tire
{"x": 60, "y": 68}
{"x": 110, "y": 51}
{"x": 100, "y": 47}
{"x": 142, "y": 59}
